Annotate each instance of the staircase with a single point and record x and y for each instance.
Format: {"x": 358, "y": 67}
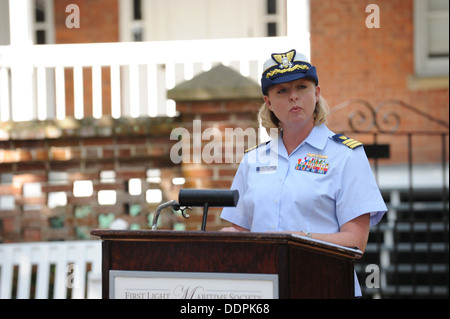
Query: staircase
{"x": 410, "y": 246}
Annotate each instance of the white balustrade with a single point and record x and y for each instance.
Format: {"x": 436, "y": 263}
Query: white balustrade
{"x": 60, "y": 265}
{"x": 33, "y": 78}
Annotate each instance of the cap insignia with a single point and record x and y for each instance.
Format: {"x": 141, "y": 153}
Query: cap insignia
{"x": 285, "y": 59}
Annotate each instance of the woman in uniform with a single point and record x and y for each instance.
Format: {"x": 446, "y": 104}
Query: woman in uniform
{"x": 307, "y": 180}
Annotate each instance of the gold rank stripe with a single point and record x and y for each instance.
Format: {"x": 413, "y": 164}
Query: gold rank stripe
{"x": 351, "y": 143}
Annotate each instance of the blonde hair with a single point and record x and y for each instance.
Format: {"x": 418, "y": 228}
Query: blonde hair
{"x": 268, "y": 119}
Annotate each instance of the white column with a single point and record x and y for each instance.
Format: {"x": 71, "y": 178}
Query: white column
{"x": 125, "y": 16}
{"x": 78, "y": 92}
{"x": 298, "y": 23}
{"x": 97, "y": 108}
{"x": 60, "y": 93}
{"x": 116, "y": 111}
{"x": 21, "y": 34}
{"x": 20, "y": 18}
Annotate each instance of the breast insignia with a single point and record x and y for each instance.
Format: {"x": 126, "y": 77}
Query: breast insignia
{"x": 349, "y": 142}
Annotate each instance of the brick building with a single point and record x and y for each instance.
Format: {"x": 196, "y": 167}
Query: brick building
{"x": 381, "y": 82}
{"x": 354, "y": 62}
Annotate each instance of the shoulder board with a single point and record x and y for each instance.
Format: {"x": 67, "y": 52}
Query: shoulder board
{"x": 255, "y": 147}
{"x": 349, "y": 142}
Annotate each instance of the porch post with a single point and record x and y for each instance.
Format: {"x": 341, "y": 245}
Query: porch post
{"x": 21, "y": 35}
{"x": 298, "y": 21}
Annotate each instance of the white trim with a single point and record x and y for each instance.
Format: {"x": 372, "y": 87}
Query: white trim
{"x": 148, "y": 58}
{"x": 298, "y": 17}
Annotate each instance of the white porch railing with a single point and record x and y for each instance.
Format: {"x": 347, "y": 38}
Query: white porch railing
{"x": 33, "y": 77}
{"x": 52, "y": 268}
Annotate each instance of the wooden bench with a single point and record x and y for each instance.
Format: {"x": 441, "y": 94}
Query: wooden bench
{"x": 51, "y": 270}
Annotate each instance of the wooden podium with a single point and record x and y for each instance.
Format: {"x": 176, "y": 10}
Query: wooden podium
{"x": 303, "y": 268}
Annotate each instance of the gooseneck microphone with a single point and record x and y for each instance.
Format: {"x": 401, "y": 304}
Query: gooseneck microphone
{"x": 202, "y": 198}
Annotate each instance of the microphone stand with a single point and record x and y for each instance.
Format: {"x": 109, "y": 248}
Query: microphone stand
{"x": 199, "y": 198}
{"x": 205, "y": 214}
{"x": 175, "y": 206}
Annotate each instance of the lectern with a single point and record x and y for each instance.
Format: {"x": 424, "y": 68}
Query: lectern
{"x": 191, "y": 264}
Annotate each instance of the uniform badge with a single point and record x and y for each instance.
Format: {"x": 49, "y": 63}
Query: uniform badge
{"x": 286, "y": 63}
{"x": 266, "y": 169}
{"x": 285, "y": 59}
{"x": 349, "y": 142}
{"x": 313, "y": 163}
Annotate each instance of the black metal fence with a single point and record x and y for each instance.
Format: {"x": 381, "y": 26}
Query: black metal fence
{"x": 407, "y": 255}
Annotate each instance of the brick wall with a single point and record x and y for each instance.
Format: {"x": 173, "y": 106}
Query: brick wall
{"x": 39, "y": 160}
{"x": 42, "y": 159}
{"x": 355, "y": 62}
{"x": 99, "y": 21}
{"x": 218, "y": 172}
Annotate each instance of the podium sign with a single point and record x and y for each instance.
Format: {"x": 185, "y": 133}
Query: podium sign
{"x": 174, "y": 264}
{"x": 188, "y": 285}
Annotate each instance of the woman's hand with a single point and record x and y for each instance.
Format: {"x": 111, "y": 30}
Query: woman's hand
{"x": 234, "y": 229}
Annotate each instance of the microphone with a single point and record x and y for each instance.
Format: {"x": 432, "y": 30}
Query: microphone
{"x": 208, "y": 198}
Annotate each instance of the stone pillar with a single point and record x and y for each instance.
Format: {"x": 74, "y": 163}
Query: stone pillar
{"x": 218, "y": 113}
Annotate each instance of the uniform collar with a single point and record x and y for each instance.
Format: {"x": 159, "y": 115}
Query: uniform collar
{"x": 317, "y": 138}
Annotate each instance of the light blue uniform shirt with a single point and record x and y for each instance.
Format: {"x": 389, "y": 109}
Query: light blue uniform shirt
{"x": 319, "y": 187}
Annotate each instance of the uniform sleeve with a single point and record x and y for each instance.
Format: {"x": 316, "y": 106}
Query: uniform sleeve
{"x": 237, "y": 215}
{"x": 358, "y": 193}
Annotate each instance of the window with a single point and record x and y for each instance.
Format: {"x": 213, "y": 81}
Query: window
{"x": 271, "y": 6}
{"x": 83, "y": 188}
{"x": 431, "y": 37}
{"x": 153, "y": 196}
{"x": 135, "y": 186}
{"x": 56, "y": 199}
{"x": 137, "y": 28}
{"x": 107, "y": 197}
{"x": 7, "y": 201}
{"x": 275, "y": 17}
{"x": 272, "y": 29}
{"x": 43, "y": 22}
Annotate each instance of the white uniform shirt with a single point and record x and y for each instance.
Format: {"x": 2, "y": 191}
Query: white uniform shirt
{"x": 319, "y": 187}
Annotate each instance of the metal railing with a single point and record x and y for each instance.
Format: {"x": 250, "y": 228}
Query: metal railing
{"x": 410, "y": 245}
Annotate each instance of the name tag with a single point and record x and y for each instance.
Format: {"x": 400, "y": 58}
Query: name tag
{"x": 266, "y": 169}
